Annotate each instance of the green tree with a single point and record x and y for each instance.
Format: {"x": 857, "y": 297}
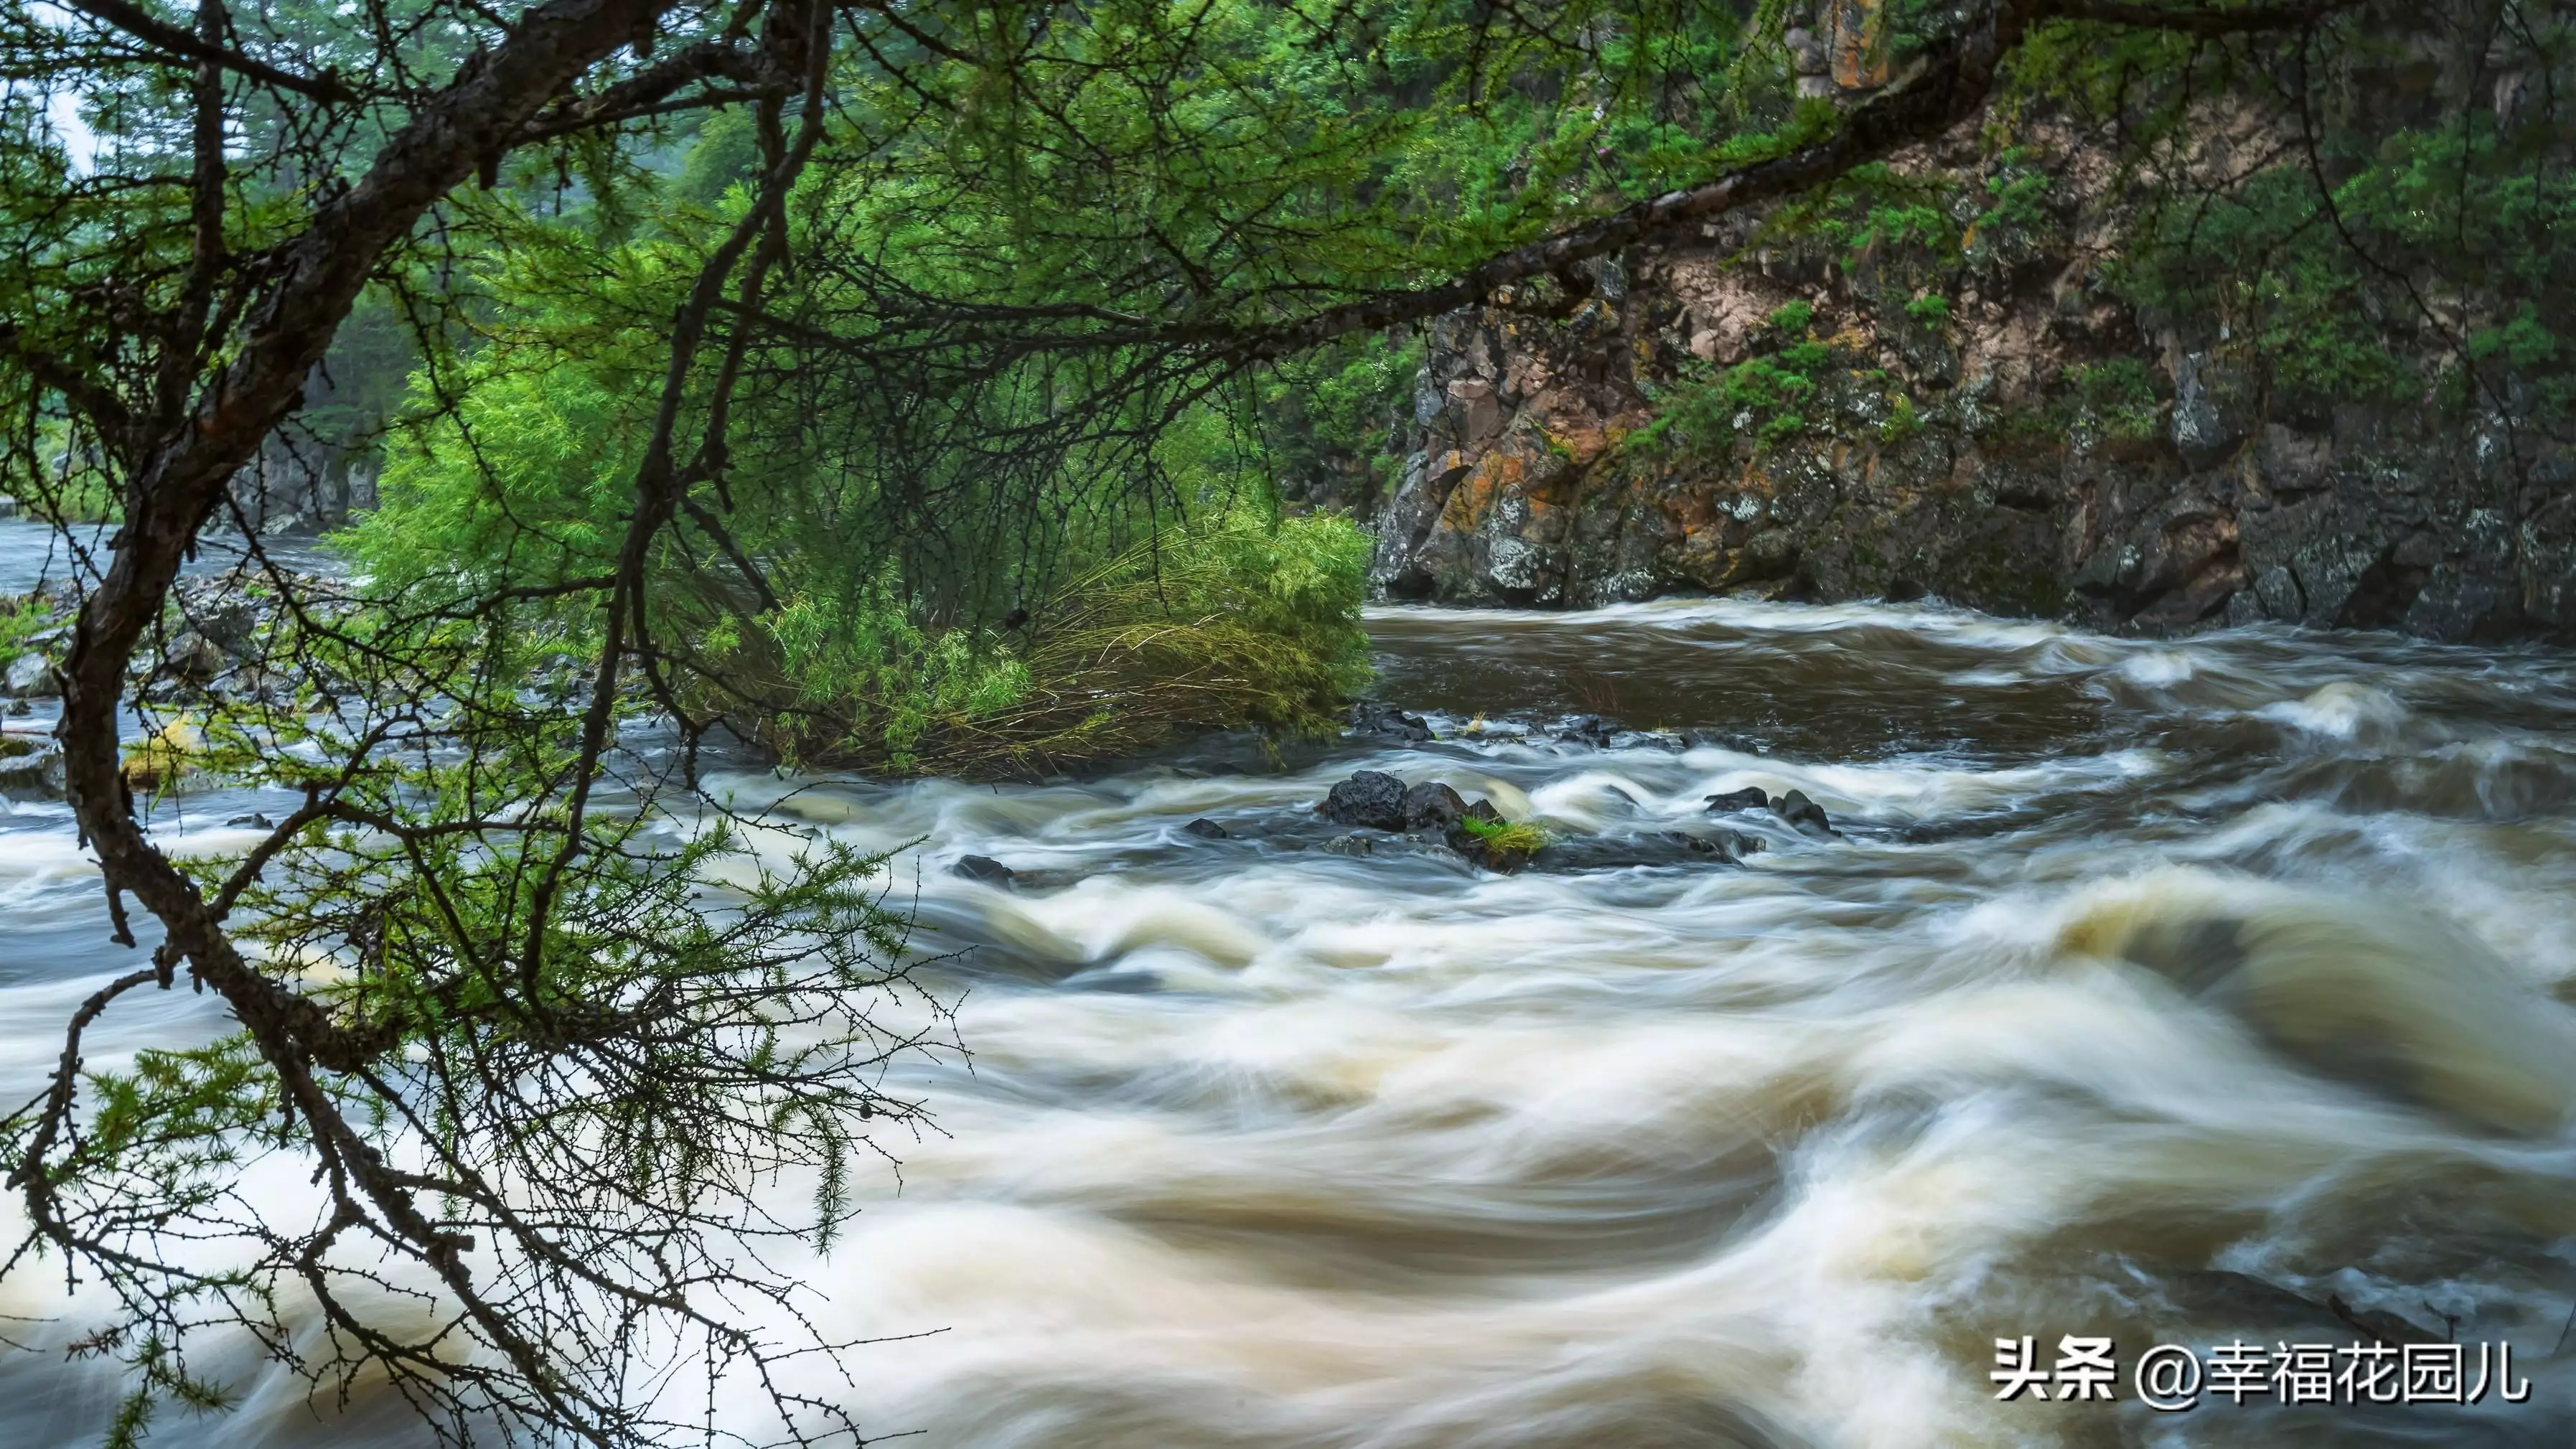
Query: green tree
{"x": 529, "y": 1010}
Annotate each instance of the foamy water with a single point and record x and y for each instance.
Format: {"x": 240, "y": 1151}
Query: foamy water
{"x": 2157, "y": 991}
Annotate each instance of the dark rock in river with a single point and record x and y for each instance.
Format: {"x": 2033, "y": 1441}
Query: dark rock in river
{"x": 1589, "y": 729}
{"x": 1751, "y": 797}
{"x": 1370, "y": 717}
{"x": 1206, "y": 829}
{"x": 984, "y": 868}
{"x": 1804, "y": 813}
{"x": 1732, "y": 844}
{"x": 1432, "y": 806}
{"x": 1482, "y": 851}
{"x": 1350, "y": 845}
{"x": 1657, "y": 848}
{"x": 1369, "y": 798}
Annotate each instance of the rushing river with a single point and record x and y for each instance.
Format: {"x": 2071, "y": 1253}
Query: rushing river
{"x": 2175, "y": 993}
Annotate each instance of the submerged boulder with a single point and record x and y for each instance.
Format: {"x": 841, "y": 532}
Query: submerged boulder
{"x": 1751, "y": 797}
{"x": 984, "y": 868}
{"x": 1803, "y": 813}
{"x": 1206, "y": 829}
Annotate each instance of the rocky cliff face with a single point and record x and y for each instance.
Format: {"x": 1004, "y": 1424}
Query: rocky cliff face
{"x": 1524, "y": 484}
{"x": 1786, "y": 418}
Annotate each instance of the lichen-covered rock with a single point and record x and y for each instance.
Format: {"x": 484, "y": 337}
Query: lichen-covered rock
{"x": 1950, "y": 453}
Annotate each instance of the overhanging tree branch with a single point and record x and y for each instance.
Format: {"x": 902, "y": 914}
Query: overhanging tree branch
{"x": 187, "y": 48}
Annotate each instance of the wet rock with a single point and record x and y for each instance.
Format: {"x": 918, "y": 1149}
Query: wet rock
{"x": 194, "y": 657}
{"x": 1371, "y": 717}
{"x": 1732, "y": 844}
{"x": 1708, "y": 739}
{"x": 1589, "y": 729}
{"x": 255, "y": 820}
{"x": 1480, "y": 849}
{"x": 984, "y": 868}
{"x": 1656, "y": 848}
{"x": 30, "y": 676}
{"x": 1803, "y": 813}
{"x": 1432, "y": 806}
{"x": 1751, "y": 797}
{"x": 1350, "y": 845}
{"x": 229, "y": 625}
{"x": 1206, "y": 829}
{"x": 31, "y": 768}
{"x": 1368, "y": 798}
{"x": 1485, "y": 854}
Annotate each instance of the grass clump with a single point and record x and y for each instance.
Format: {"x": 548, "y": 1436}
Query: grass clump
{"x": 21, "y": 619}
{"x": 1517, "y": 837}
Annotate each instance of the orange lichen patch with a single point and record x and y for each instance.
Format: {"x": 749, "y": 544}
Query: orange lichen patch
{"x": 1860, "y": 51}
{"x": 1583, "y": 442}
{"x": 1500, "y": 471}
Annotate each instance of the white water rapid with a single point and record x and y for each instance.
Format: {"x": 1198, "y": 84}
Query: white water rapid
{"x": 2161, "y": 991}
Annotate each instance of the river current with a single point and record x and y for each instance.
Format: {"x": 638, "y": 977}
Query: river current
{"x": 2187, "y": 993}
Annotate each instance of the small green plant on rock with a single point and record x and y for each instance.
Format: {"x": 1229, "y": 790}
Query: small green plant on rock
{"x": 2119, "y": 396}
{"x": 1517, "y": 837}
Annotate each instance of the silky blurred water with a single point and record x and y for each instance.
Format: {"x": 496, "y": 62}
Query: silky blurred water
{"x": 2159, "y": 991}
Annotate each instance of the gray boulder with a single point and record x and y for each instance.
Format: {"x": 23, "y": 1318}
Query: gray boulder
{"x": 194, "y": 657}
{"x": 31, "y": 768}
{"x": 30, "y": 676}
